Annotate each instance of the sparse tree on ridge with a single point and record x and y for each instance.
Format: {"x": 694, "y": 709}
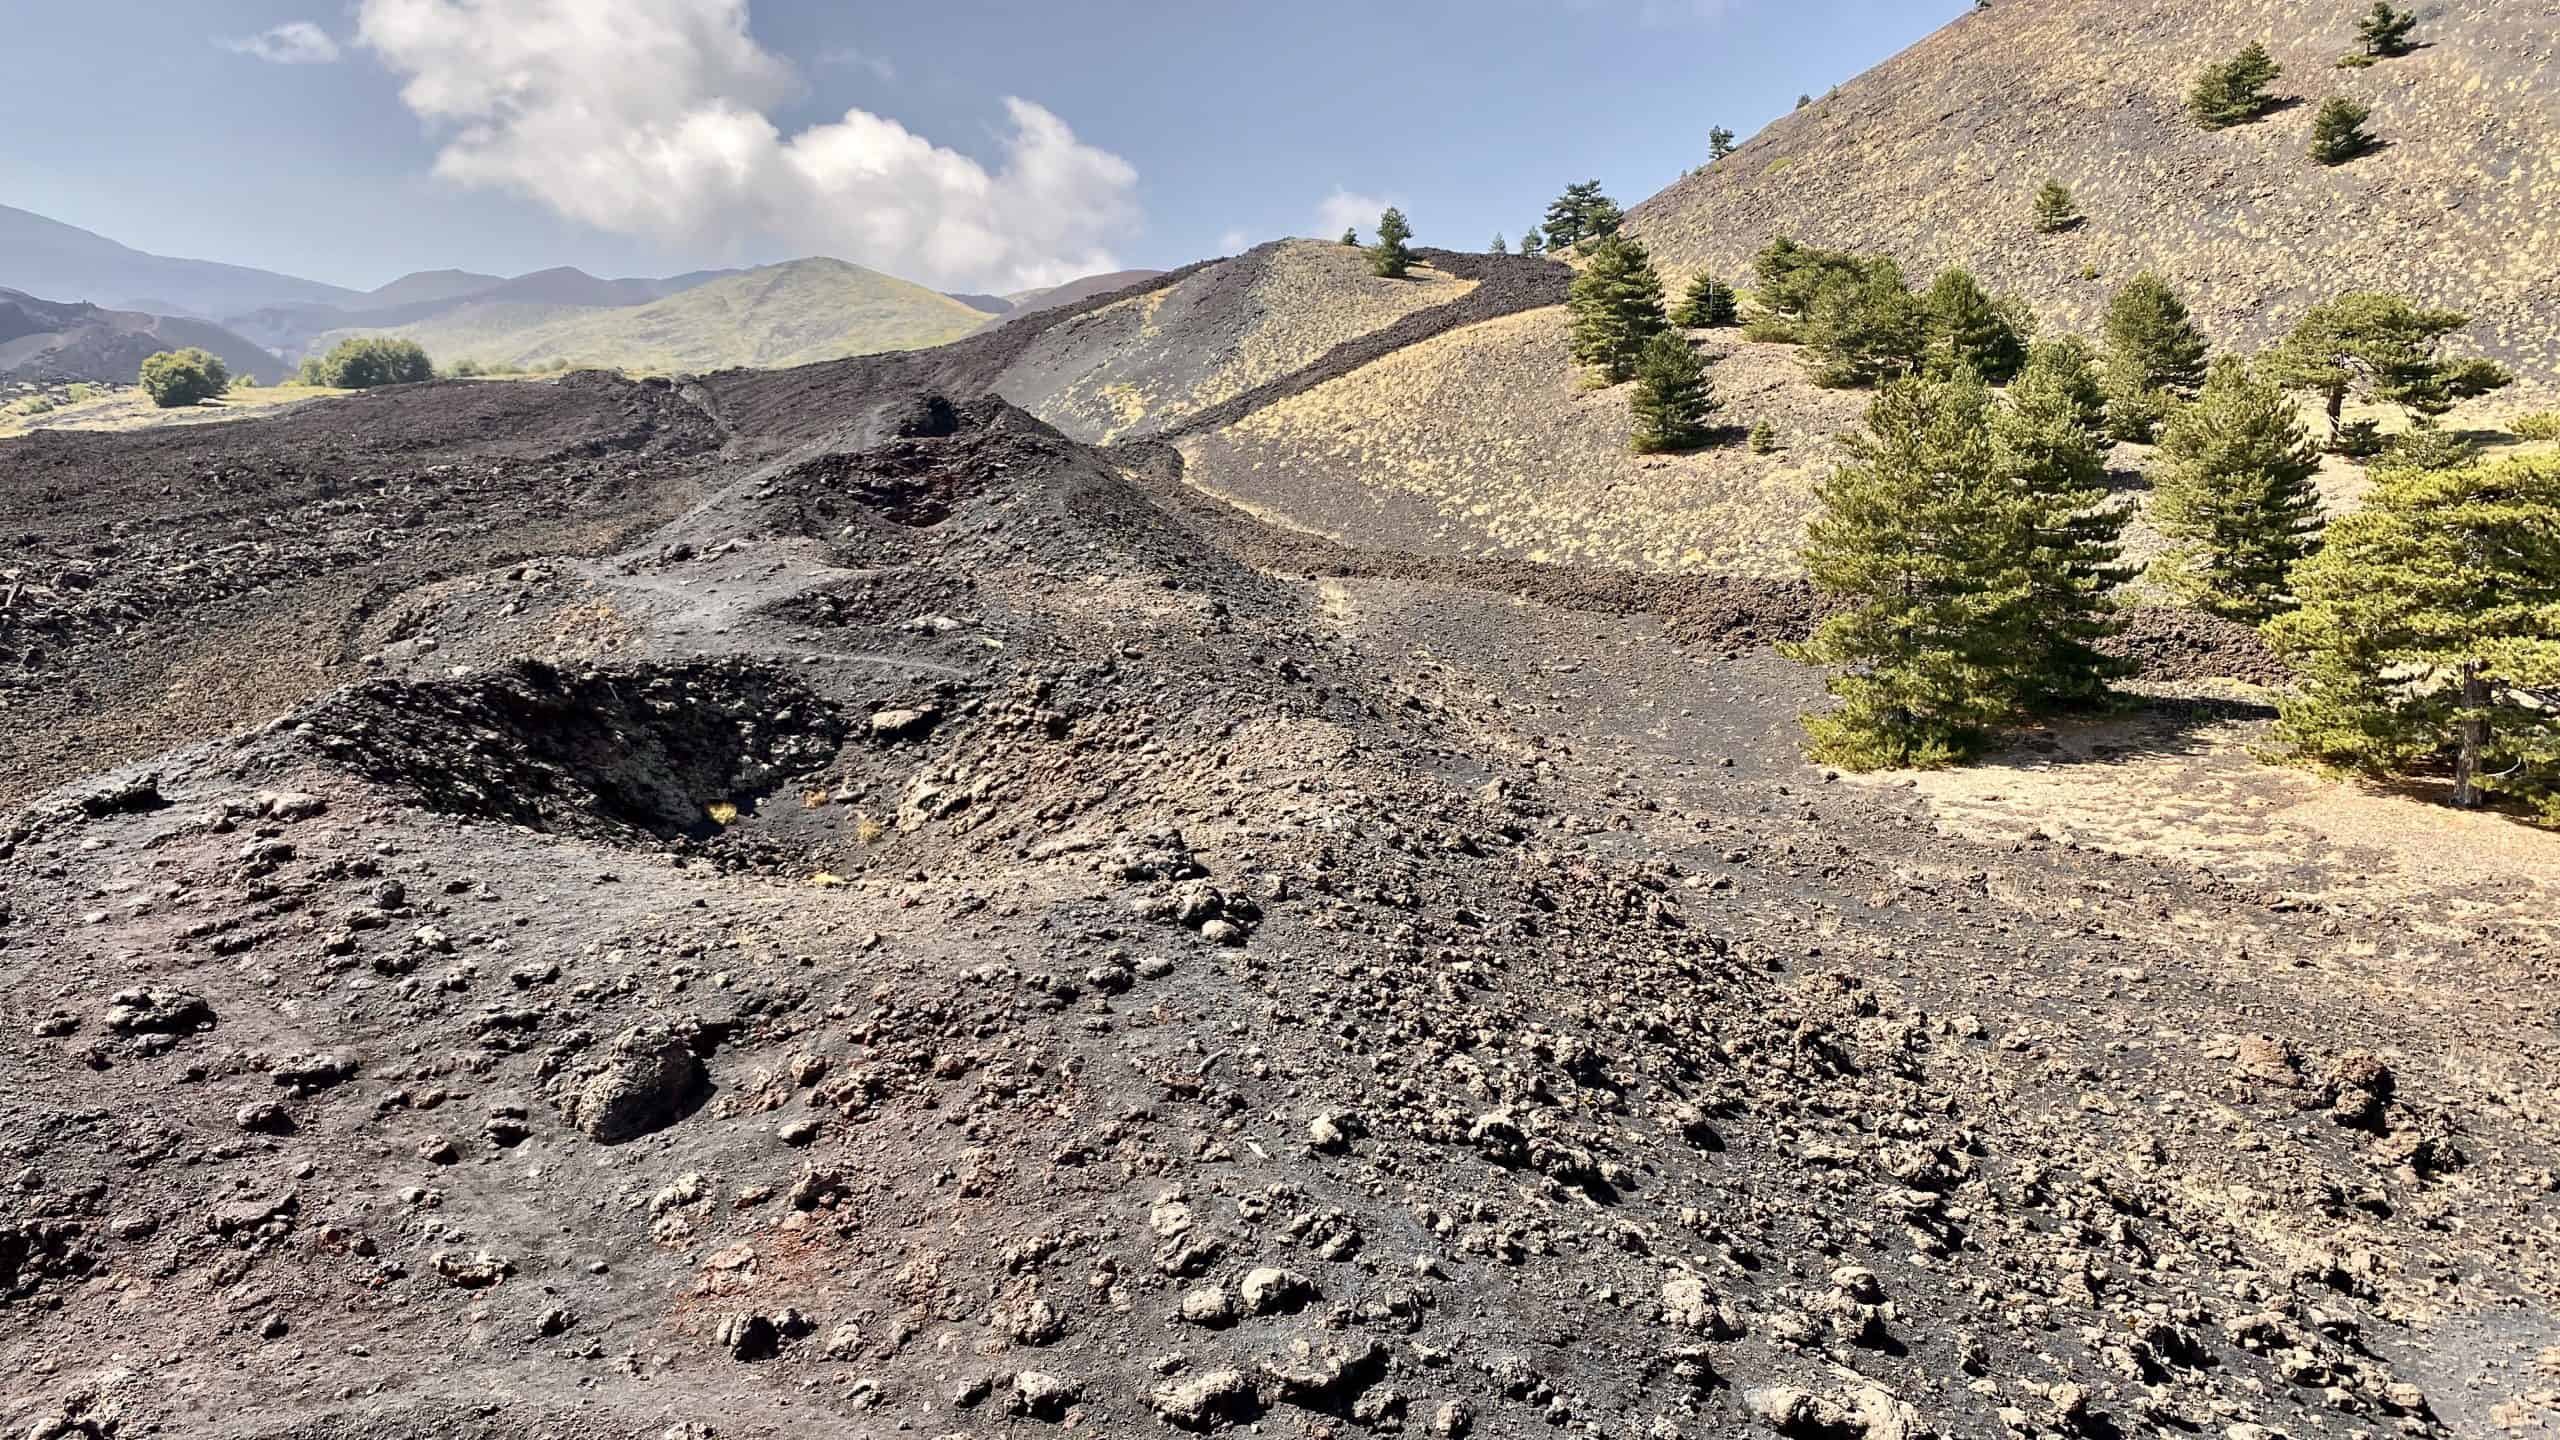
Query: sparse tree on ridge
{"x": 1532, "y": 243}
{"x": 2235, "y": 91}
{"x": 2055, "y": 209}
{"x": 1581, "y": 213}
{"x": 1968, "y": 329}
{"x": 2337, "y": 132}
{"x": 1719, "y": 144}
{"x": 1707, "y": 303}
{"x": 1391, "y": 257}
{"x": 2045, "y": 447}
{"x": 1616, "y": 302}
{"x": 2430, "y": 632}
{"x": 2236, "y": 501}
{"x": 2382, "y": 347}
{"x": 178, "y": 378}
{"x": 1351, "y": 236}
{"x": 2155, "y": 356}
{"x": 1673, "y": 400}
{"x": 1499, "y": 247}
{"x": 2384, "y": 31}
{"x": 1918, "y": 541}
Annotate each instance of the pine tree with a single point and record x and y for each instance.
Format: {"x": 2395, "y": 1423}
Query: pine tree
{"x": 1969, "y": 330}
{"x": 2070, "y": 366}
{"x": 1603, "y": 219}
{"x": 1533, "y": 244}
{"x": 2381, "y": 347}
{"x": 1580, "y": 213}
{"x": 2385, "y": 31}
{"x": 2235, "y": 91}
{"x": 2337, "y": 132}
{"x": 2237, "y": 503}
{"x": 2055, "y": 210}
{"x": 1617, "y": 306}
{"x": 1764, "y": 439}
{"x": 1391, "y": 257}
{"x": 1673, "y": 398}
{"x": 1866, "y": 330}
{"x": 1790, "y": 277}
{"x": 1499, "y": 248}
{"x": 1350, "y": 236}
{"x": 1708, "y": 303}
{"x": 2429, "y": 633}
{"x": 2155, "y": 356}
{"x": 1918, "y": 541}
{"x": 1719, "y": 144}
{"x": 2045, "y": 448}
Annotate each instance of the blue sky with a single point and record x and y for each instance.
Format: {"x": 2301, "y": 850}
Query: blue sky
{"x": 1154, "y": 134}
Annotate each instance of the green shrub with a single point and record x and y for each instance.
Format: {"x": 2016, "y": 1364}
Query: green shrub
{"x": 175, "y": 378}
{"x": 2427, "y": 445}
{"x": 2541, "y": 425}
{"x": 1764, "y": 439}
{"x": 365, "y": 361}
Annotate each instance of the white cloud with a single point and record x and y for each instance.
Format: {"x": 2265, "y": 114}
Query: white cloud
{"x": 1346, "y": 210}
{"x": 296, "y": 42}
{"x": 1234, "y": 241}
{"x": 648, "y": 117}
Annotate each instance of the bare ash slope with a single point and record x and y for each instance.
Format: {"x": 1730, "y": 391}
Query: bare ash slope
{"x": 1131, "y": 369}
{"x": 1482, "y": 442}
{"x": 1935, "y": 156}
{"x": 951, "y": 936}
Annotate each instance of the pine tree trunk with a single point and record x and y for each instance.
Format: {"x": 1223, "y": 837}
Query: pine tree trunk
{"x": 2472, "y": 737}
{"x": 2337, "y": 412}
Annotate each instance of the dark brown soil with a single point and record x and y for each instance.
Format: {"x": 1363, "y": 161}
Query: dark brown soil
{"x": 902, "y": 923}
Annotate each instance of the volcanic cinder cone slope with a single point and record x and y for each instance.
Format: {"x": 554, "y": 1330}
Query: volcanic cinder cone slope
{"x": 1935, "y": 157}
{"x": 1483, "y": 442}
{"x": 1138, "y": 367}
{"x": 887, "y": 919}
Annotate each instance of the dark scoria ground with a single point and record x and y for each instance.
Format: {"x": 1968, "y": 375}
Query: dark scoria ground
{"x": 952, "y": 935}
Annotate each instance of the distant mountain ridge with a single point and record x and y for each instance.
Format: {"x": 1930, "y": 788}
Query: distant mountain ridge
{"x": 39, "y": 256}
{"x": 776, "y": 315}
{"x": 529, "y": 319}
{"x": 54, "y": 340}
